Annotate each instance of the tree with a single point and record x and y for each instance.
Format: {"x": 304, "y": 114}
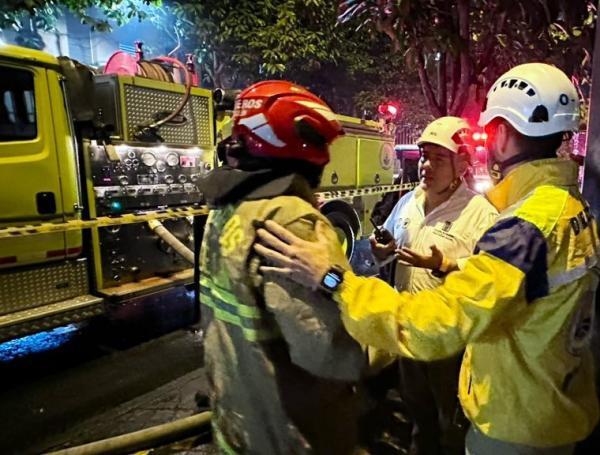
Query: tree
{"x": 239, "y": 42}
{"x": 458, "y": 47}
{"x": 42, "y": 14}
{"x": 244, "y": 38}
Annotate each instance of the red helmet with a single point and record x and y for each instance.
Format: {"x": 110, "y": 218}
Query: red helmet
{"x": 278, "y": 119}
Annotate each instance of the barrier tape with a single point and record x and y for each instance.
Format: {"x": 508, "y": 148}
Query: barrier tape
{"x": 368, "y": 191}
{"x": 170, "y": 213}
{"x": 103, "y": 221}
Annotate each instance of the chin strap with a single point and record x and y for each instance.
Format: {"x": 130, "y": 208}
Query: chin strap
{"x": 454, "y": 183}
{"x": 497, "y": 168}
{"x": 452, "y": 187}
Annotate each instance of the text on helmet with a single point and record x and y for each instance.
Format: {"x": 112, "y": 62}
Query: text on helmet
{"x": 241, "y": 106}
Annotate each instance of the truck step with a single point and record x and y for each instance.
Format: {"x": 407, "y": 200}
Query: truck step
{"x": 147, "y": 286}
{"x": 49, "y": 316}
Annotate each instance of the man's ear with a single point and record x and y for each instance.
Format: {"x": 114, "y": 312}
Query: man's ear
{"x": 502, "y": 138}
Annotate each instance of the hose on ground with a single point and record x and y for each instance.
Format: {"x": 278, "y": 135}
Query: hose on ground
{"x": 171, "y": 240}
{"x": 143, "y": 439}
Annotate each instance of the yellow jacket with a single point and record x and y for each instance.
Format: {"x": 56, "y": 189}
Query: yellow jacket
{"x": 522, "y": 306}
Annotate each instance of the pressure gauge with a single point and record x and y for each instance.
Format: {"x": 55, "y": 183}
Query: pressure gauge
{"x": 172, "y": 159}
{"x": 148, "y": 159}
{"x": 161, "y": 166}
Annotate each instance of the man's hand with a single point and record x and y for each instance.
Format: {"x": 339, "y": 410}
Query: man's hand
{"x": 408, "y": 256}
{"x": 382, "y": 251}
{"x": 302, "y": 261}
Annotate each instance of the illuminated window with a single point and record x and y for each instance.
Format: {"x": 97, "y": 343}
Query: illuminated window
{"x": 17, "y": 105}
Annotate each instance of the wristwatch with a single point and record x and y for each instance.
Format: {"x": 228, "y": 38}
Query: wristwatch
{"x": 332, "y": 279}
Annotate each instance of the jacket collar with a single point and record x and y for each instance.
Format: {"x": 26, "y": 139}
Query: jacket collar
{"x": 460, "y": 192}
{"x": 225, "y": 185}
{"x": 525, "y": 178}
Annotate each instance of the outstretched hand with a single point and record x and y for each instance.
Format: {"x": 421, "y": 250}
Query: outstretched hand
{"x": 303, "y": 261}
{"x": 410, "y": 257}
{"x": 382, "y": 250}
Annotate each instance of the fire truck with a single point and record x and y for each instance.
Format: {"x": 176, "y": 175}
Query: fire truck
{"x": 99, "y": 178}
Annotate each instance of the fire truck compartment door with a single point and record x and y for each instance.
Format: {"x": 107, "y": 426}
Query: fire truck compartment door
{"x": 30, "y": 183}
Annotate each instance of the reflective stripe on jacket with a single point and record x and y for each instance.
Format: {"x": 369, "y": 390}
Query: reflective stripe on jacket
{"x": 280, "y": 364}
{"x": 522, "y": 305}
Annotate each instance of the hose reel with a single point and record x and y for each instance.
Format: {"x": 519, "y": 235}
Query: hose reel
{"x": 164, "y": 69}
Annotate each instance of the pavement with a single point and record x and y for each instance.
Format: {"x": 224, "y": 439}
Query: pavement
{"x": 111, "y": 376}
{"x": 173, "y": 401}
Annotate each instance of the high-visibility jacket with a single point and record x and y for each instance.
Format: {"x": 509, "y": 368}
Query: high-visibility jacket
{"x": 282, "y": 370}
{"x": 522, "y": 305}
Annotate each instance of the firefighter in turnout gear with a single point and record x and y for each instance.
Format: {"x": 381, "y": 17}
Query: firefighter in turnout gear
{"x": 281, "y": 367}
{"x": 522, "y": 305}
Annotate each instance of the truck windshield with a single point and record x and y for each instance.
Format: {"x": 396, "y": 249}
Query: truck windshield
{"x": 17, "y": 105}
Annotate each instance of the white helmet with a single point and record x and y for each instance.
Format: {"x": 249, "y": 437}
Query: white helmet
{"x": 535, "y": 98}
{"x": 451, "y": 133}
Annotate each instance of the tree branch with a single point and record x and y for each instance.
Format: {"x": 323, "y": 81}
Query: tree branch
{"x": 385, "y": 23}
{"x": 462, "y": 93}
{"x": 487, "y": 53}
{"x": 441, "y": 80}
{"x": 454, "y": 77}
{"x": 426, "y": 86}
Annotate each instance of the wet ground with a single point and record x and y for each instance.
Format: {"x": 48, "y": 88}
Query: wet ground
{"x": 85, "y": 382}
{"x": 139, "y": 366}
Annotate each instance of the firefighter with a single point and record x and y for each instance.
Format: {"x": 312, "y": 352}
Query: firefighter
{"x": 522, "y": 305}
{"x": 435, "y": 227}
{"x": 281, "y": 368}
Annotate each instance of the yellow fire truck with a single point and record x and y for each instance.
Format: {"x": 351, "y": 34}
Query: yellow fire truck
{"x": 98, "y": 177}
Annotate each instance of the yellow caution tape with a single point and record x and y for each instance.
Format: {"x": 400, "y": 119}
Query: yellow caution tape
{"x": 368, "y": 191}
{"x": 103, "y": 221}
{"x": 176, "y": 212}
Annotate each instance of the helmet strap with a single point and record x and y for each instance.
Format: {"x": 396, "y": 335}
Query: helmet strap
{"x": 451, "y": 187}
{"x": 455, "y": 180}
{"x": 231, "y": 146}
{"x": 498, "y": 168}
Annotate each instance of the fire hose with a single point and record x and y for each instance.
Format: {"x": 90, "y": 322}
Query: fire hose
{"x": 152, "y": 126}
{"x": 171, "y": 240}
{"x": 144, "y": 439}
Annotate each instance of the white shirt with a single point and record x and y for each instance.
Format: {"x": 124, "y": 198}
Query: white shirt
{"x": 454, "y": 227}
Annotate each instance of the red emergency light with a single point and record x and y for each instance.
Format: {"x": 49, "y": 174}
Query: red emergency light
{"x": 479, "y": 137}
{"x": 389, "y": 110}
